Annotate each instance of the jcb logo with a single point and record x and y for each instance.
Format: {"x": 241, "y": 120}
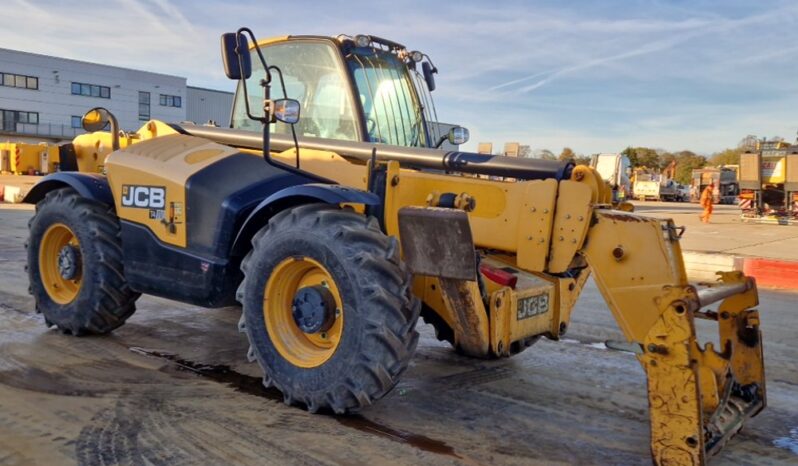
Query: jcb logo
{"x": 145, "y": 197}
{"x": 532, "y": 306}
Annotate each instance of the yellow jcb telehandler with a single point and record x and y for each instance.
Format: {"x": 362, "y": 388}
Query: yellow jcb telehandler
{"x": 336, "y": 230}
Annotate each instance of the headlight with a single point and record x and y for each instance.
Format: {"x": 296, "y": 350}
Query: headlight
{"x": 362, "y": 40}
{"x": 416, "y": 56}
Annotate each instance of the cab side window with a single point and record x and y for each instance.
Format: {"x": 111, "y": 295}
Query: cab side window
{"x": 314, "y": 77}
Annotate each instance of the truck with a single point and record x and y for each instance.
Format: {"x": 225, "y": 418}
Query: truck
{"x": 616, "y": 170}
{"x": 724, "y": 178}
{"x": 769, "y": 183}
{"x": 656, "y": 187}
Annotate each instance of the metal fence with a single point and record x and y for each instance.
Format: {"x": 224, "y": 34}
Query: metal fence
{"x": 45, "y": 130}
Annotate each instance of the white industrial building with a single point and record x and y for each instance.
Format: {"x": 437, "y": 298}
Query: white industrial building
{"x": 204, "y": 105}
{"x": 44, "y": 97}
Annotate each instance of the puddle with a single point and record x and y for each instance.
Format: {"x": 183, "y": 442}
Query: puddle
{"x": 789, "y": 443}
{"x": 218, "y": 373}
{"x": 419, "y": 441}
{"x": 595, "y": 345}
{"x": 598, "y": 345}
{"x": 254, "y": 386}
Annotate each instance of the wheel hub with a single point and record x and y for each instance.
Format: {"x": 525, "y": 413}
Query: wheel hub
{"x": 69, "y": 262}
{"x": 313, "y": 309}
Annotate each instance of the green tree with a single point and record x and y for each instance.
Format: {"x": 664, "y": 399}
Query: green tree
{"x": 630, "y": 153}
{"x": 647, "y": 157}
{"x": 726, "y": 157}
{"x": 665, "y": 159}
{"x": 642, "y": 157}
{"x": 567, "y": 154}
{"x": 749, "y": 142}
{"x": 582, "y": 160}
{"x": 686, "y": 162}
{"x": 545, "y": 154}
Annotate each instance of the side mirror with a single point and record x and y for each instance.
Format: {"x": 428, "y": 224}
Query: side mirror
{"x": 97, "y": 119}
{"x": 429, "y": 73}
{"x": 458, "y": 135}
{"x": 286, "y": 110}
{"x": 235, "y": 56}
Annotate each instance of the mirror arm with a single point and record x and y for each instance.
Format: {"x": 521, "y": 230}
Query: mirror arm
{"x": 257, "y": 49}
{"x": 114, "y": 131}
{"x": 434, "y": 68}
{"x": 441, "y": 141}
{"x": 240, "y": 54}
{"x": 293, "y": 128}
{"x": 267, "y": 154}
{"x": 266, "y": 83}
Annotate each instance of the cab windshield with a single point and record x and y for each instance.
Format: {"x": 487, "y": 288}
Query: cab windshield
{"x": 391, "y": 110}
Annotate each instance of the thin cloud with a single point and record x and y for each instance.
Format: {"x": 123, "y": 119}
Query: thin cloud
{"x": 521, "y": 80}
{"x": 167, "y": 7}
{"x": 698, "y": 74}
{"x": 646, "y": 49}
{"x": 698, "y": 28}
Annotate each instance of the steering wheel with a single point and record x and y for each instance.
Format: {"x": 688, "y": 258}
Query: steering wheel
{"x": 309, "y": 126}
{"x": 371, "y": 125}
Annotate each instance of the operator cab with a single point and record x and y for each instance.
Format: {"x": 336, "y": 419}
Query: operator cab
{"x": 360, "y": 88}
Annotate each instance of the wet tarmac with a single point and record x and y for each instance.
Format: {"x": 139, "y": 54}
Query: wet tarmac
{"x": 173, "y": 387}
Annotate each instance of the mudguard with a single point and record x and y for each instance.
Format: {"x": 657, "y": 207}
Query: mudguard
{"x": 293, "y": 196}
{"x": 90, "y": 185}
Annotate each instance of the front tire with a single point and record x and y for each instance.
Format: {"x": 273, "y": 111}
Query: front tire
{"x": 75, "y": 265}
{"x": 353, "y": 350}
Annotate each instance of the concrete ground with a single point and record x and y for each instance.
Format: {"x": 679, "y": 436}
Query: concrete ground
{"x": 726, "y": 233}
{"x": 172, "y": 386}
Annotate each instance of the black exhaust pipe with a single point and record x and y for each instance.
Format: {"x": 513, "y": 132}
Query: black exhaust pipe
{"x": 416, "y": 157}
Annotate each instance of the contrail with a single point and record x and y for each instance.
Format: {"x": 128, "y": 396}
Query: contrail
{"x": 656, "y": 46}
{"x": 516, "y": 81}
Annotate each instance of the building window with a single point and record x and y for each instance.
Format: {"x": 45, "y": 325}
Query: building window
{"x": 144, "y": 106}
{"x": 31, "y": 118}
{"x": 77, "y": 121}
{"x": 19, "y": 80}
{"x": 171, "y": 101}
{"x": 10, "y": 118}
{"x": 91, "y": 90}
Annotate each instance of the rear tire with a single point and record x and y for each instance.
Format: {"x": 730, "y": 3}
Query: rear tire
{"x": 374, "y": 324}
{"x": 94, "y": 297}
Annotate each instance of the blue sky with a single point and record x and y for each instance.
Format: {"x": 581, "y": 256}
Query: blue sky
{"x": 594, "y": 76}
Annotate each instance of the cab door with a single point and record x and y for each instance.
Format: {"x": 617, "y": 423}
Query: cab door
{"x": 314, "y": 74}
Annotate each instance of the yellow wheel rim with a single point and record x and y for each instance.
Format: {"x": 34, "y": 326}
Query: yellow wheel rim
{"x": 60, "y": 289}
{"x": 301, "y": 349}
